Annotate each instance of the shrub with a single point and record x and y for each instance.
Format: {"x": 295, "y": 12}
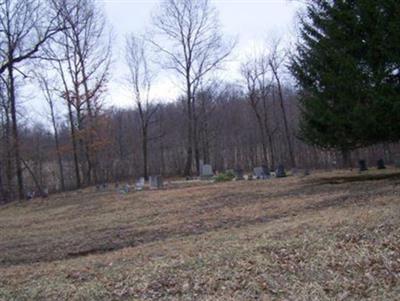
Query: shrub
{"x": 224, "y": 177}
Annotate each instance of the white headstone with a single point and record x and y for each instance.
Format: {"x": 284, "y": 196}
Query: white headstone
{"x": 140, "y": 184}
{"x": 156, "y": 182}
{"x": 206, "y": 170}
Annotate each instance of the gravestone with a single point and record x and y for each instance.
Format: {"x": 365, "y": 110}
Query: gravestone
{"x": 45, "y": 193}
{"x": 123, "y": 189}
{"x": 126, "y": 188}
{"x": 156, "y": 182}
{"x": 362, "y": 165}
{"x": 266, "y": 171}
{"x": 206, "y": 171}
{"x": 381, "y": 164}
{"x": 30, "y": 195}
{"x": 140, "y": 184}
{"x": 261, "y": 173}
{"x": 238, "y": 174}
{"x": 101, "y": 187}
{"x": 280, "y": 171}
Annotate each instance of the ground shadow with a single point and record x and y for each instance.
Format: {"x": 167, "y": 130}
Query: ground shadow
{"x": 357, "y": 178}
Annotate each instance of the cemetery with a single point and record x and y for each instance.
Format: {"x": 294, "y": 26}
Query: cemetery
{"x": 207, "y": 176}
{"x": 199, "y": 150}
{"x": 163, "y": 226}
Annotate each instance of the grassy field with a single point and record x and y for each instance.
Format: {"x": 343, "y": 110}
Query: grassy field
{"x": 329, "y": 236}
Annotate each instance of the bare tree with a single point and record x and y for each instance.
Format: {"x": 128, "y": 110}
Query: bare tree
{"x": 25, "y": 25}
{"x": 66, "y": 95}
{"x": 49, "y": 94}
{"x": 83, "y": 63}
{"x": 188, "y": 34}
{"x": 140, "y": 80}
{"x": 258, "y": 84}
{"x": 277, "y": 59}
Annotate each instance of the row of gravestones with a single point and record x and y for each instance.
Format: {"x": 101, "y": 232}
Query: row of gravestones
{"x": 44, "y": 193}
{"x": 206, "y": 172}
{"x": 261, "y": 173}
{"x": 380, "y": 164}
{"x": 156, "y": 182}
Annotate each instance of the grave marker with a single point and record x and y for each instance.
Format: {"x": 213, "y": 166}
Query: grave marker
{"x": 239, "y": 175}
{"x": 362, "y": 165}
{"x": 280, "y": 171}
{"x": 156, "y": 182}
{"x": 381, "y": 164}
{"x": 261, "y": 173}
{"x": 206, "y": 171}
{"x": 140, "y": 184}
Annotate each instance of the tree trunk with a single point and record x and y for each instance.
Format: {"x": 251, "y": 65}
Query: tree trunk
{"x": 272, "y": 151}
{"x": 3, "y": 196}
{"x": 387, "y": 151}
{"x": 57, "y": 143}
{"x": 346, "y": 158}
{"x": 18, "y": 166}
{"x": 189, "y": 150}
{"x": 144, "y": 150}
{"x": 196, "y": 142}
{"x": 74, "y": 146}
{"x": 263, "y": 140}
{"x": 72, "y": 126}
{"x": 285, "y": 121}
{"x": 92, "y": 163}
{"x": 9, "y": 166}
{"x": 35, "y": 180}
{"x": 85, "y": 146}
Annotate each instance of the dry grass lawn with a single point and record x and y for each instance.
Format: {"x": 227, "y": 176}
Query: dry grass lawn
{"x": 329, "y": 236}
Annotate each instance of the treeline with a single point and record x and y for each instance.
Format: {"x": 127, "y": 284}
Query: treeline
{"x": 229, "y": 137}
{"x": 64, "y": 48}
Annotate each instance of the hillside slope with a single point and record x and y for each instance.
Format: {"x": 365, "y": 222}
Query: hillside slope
{"x": 330, "y": 236}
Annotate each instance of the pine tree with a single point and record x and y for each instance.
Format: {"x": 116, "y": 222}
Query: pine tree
{"x": 347, "y": 67}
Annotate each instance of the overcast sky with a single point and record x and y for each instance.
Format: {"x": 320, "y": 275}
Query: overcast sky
{"x": 251, "y": 21}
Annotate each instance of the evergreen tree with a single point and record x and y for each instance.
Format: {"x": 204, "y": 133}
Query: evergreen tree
{"x": 347, "y": 66}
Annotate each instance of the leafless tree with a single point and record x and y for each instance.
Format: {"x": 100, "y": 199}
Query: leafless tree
{"x": 49, "y": 95}
{"x": 25, "y": 25}
{"x": 83, "y": 64}
{"x": 140, "y": 81}
{"x": 188, "y": 34}
{"x": 259, "y": 84}
{"x": 277, "y": 59}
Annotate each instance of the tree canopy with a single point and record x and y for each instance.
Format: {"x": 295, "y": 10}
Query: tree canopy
{"x": 347, "y": 68}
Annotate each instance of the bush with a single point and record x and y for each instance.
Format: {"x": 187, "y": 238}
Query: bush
{"x": 224, "y": 177}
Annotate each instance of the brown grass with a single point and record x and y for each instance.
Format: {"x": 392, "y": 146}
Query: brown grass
{"x": 330, "y": 236}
